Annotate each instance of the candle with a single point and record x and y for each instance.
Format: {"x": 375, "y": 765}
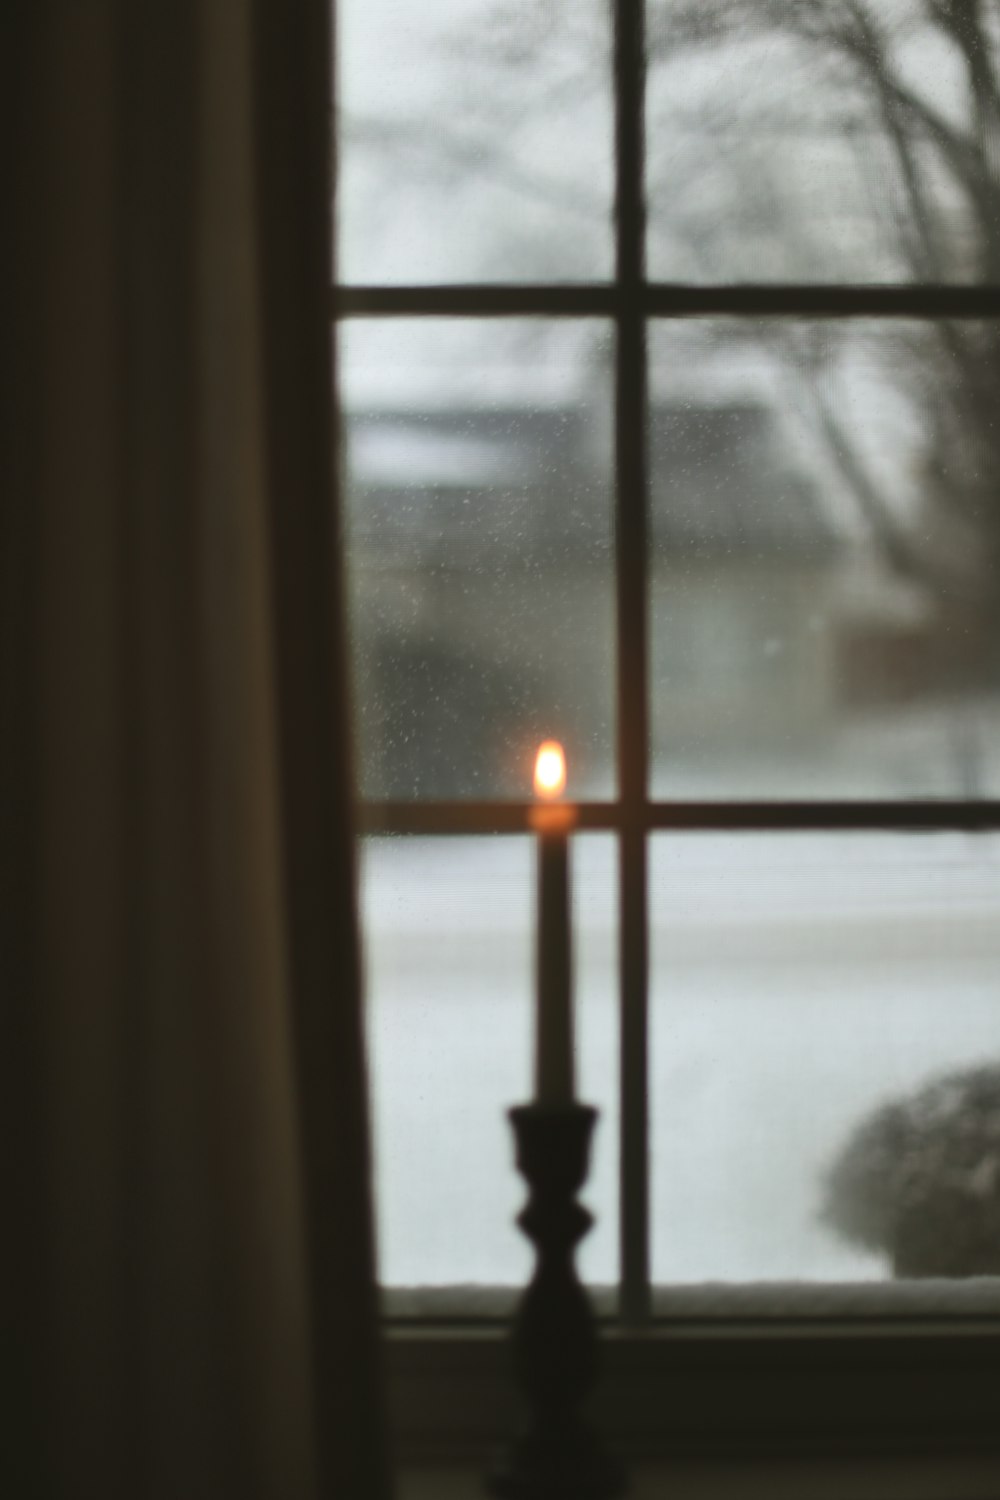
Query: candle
{"x": 553, "y": 1008}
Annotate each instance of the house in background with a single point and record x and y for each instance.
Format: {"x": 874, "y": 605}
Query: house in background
{"x": 745, "y": 559}
{"x": 482, "y": 568}
{"x": 481, "y": 552}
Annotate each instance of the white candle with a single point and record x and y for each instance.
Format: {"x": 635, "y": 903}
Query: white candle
{"x": 553, "y": 1002}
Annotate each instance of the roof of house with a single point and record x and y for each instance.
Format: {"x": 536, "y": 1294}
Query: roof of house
{"x": 720, "y": 482}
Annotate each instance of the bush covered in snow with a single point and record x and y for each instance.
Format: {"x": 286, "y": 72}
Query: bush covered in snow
{"x": 919, "y": 1179}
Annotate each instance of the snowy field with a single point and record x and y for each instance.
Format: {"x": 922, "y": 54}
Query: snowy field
{"x": 795, "y": 983}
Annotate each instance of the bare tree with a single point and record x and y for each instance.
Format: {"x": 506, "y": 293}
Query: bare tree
{"x": 845, "y": 141}
{"x": 904, "y": 95}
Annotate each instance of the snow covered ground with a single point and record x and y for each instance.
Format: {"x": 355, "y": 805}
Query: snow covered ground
{"x": 795, "y": 983}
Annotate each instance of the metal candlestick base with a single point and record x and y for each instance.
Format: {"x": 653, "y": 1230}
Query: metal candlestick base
{"x": 554, "y": 1339}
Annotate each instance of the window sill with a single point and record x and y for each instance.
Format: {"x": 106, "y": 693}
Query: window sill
{"x": 955, "y": 1478}
{"x": 722, "y": 1391}
{"x": 974, "y": 1298}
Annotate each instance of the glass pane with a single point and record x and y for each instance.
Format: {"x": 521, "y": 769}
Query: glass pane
{"x": 825, "y": 1082}
{"x": 480, "y": 553}
{"x": 823, "y": 142}
{"x": 450, "y": 976}
{"x": 449, "y": 984}
{"x": 825, "y": 549}
{"x": 475, "y": 141}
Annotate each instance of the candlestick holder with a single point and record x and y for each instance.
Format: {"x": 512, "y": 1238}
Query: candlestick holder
{"x": 554, "y": 1338}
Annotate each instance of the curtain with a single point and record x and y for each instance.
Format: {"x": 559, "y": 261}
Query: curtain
{"x": 188, "y": 1284}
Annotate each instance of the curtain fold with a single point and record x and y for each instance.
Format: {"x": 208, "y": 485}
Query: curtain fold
{"x": 189, "y": 1257}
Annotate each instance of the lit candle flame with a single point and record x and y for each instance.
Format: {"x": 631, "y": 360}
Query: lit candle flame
{"x": 550, "y": 770}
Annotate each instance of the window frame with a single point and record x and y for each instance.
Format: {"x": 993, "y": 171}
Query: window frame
{"x": 727, "y": 1385}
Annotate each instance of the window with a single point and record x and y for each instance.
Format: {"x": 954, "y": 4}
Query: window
{"x": 668, "y": 355}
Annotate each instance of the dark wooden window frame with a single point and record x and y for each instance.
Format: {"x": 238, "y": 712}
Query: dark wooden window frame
{"x": 725, "y": 1386}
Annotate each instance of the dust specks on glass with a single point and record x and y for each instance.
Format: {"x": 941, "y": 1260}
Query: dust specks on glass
{"x": 481, "y": 563}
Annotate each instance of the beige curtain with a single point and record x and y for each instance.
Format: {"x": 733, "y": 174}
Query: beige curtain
{"x": 188, "y": 1288}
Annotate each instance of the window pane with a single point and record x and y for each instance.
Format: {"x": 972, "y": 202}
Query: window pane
{"x": 800, "y": 986}
{"x": 823, "y": 142}
{"x": 475, "y": 141}
{"x": 449, "y": 987}
{"x": 450, "y": 984}
{"x": 825, "y": 559}
{"x": 480, "y": 553}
